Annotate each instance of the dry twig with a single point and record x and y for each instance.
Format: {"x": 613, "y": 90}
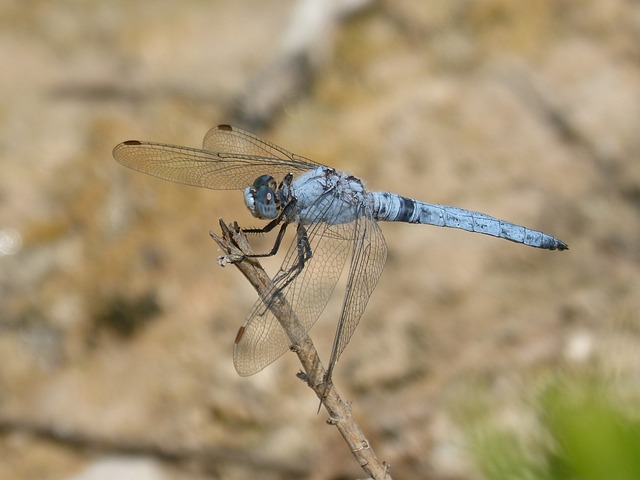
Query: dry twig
{"x": 235, "y": 246}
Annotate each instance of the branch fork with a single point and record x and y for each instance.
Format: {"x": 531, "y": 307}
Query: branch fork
{"x": 235, "y": 246}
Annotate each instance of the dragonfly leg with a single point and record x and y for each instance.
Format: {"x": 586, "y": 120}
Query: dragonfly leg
{"x": 276, "y": 245}
{"x": 267, "y": 228}
{"x": 304, "y": 255}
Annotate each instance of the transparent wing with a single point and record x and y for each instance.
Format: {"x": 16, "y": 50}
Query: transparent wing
{"x": 367, "y": 262}
{"x": 262, "y": 339}
{"x": 234, "y": 140}
{"x": 231, "y": 159}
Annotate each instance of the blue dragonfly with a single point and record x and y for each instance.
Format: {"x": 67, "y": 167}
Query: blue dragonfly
{"x": 336, "y": 223}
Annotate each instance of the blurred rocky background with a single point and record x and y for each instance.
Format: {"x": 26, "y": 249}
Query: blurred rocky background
{"x": 117, "y": 324}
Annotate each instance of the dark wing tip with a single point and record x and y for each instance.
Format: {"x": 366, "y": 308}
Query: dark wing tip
{"x": 239, "y": 335}
{"x": 225, "y": 127}
{"x": 120, "y": 149}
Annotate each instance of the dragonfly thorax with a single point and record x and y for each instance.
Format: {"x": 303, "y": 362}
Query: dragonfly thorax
{"x": 261, "y": 198}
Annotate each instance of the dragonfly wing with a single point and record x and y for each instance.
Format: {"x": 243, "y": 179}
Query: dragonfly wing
{"x": 232, "y": 159}
{"x": 262, "y": 339}
{"x": 234, "y": 140}
{"x": 367, "y": 262}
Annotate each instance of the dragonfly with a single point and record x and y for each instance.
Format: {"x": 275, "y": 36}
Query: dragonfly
{"x": 336, "y": 221}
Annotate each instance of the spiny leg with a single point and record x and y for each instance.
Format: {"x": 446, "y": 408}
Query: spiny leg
{"x": 270, "y": 226}
{"x": 304, "y": 255}
{"x": 276, "y": 244}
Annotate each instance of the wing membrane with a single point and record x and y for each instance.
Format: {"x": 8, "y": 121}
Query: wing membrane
{"x": 367, "y": 263}
{"x": 225, "y": 138}
{"x": 231, "y": 159}
{"x": 307, "y": 293}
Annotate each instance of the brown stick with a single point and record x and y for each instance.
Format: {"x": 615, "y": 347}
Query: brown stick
{"x": 235, "y": 246}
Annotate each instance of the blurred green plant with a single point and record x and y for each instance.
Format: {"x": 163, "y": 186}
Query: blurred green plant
{"x": 587, "y": 431}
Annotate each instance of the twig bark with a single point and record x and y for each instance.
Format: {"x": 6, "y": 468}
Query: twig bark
{"x": 235, "y": 246}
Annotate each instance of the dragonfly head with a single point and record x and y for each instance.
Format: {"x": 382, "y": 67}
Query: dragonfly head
{"x": 261, "y": 198}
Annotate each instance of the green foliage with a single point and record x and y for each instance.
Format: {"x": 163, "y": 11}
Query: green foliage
{"x": 586, "y": 431}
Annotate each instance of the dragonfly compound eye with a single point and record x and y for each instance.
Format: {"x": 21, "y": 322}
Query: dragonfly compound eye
{"x": 265, "y": 203}
{"x": 264, "y": 180}
{"x": 260, "y": 198}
